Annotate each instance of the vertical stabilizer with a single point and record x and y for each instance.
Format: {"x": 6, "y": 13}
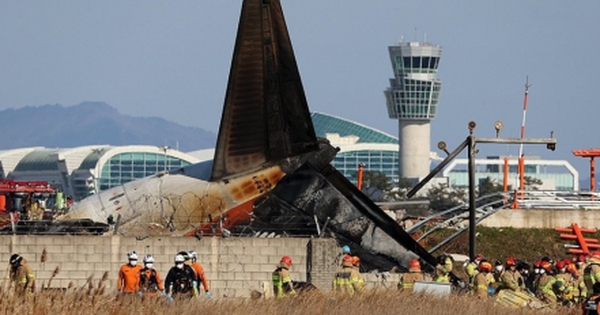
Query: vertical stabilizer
{"x": 265, "y": 117}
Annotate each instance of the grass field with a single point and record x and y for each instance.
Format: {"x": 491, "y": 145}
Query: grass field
{"x": 374, "y": 302}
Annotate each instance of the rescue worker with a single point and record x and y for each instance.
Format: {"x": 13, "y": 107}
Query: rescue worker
{"x": 340, "y": 257}
{"x": 180, "y": 281}
{"x": 535, "y": 276}
{"x": 591, "y": 273}
{"x": 129, "y": 275}
{"x": 567, "y": 280}
{"x": 523, "y": 269}
{"x": 590, "y": 305}
{"x": 282, "y": 282}
{"x": 150, "y": 284}
{"x": 21, "y": 276}
{"x": 199, "y": 270}
{"x": 359, "y": 283}
{"x": 581, "y": 264}
{"x": 347, "y": 280}
{"x": 496, "y": 276}
{"x": 481, "y": 282}
{"x": 471, "y": 268}
{"x": 580, "y": 293}
{"x": 443, "y": 269}
{"x": 578, "y": 286}
{"x": 511, "y": 278}
{"x": 407, "y": 280}
{"x": 546, "y": 285}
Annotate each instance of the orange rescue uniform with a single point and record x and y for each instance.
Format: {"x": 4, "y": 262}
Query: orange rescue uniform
{"x": 200, "y": 274}
{"x": 129, "y": 278}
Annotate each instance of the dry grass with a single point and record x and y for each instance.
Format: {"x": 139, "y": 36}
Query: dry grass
{"x": 382, "y": 302}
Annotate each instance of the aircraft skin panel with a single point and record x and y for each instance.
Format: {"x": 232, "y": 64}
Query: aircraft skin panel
{"x": 168, "y": 203}
{"x": 265, "y": 116}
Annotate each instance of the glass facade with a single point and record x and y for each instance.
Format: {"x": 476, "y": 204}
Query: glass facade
{"x": 348, "y": 159}
{"x": 125, "y": 167}
{"x": 414, "y": 91}
{"x": 385, "y": 162}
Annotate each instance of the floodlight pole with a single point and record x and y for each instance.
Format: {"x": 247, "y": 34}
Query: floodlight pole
{"x": 472, "y": 141}
{"x": 472, "y": 220}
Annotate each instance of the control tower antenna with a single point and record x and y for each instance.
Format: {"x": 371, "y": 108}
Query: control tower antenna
{"x": 521, "y": 167}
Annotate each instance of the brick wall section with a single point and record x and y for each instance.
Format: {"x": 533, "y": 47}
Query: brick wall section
{"x": 235, "y": 266}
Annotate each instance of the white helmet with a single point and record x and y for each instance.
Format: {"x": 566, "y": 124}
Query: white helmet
{"x": 179, "y": 259}
{"x": 132, "y": 255}
{"x": 148, "y": 259}
{"x": 193, "y": 255}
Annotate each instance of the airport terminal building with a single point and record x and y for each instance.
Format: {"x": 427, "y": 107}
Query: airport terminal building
{"x": 86, "y": 170}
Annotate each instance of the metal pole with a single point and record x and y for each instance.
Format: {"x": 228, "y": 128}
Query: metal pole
{"x": 472, "y": 221}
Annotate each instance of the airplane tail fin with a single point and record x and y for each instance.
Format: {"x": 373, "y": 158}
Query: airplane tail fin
{"x": 265, "y": 116}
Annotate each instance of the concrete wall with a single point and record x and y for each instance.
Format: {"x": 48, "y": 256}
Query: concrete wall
{"x": 533, "y": 218}
{"x": 234, "y": 266}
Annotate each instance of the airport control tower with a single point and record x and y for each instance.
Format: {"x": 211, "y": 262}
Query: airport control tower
{"x": 412, "y": 98}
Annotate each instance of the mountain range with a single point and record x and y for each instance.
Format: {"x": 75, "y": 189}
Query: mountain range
{"x": 91, "y": 123}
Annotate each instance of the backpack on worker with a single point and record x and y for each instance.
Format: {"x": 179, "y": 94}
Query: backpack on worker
{"x": 148, "y": 283}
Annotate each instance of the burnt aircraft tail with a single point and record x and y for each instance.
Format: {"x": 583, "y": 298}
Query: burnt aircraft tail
{"x": 265, "y": 116}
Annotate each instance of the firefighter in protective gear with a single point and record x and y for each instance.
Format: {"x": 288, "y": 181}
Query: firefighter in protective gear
{"x": 179, "y": 283}
{"x": 590, "y": 305}
{"x": 359, "y": 284}
{"x": 591, "y": 273}
{"x": 581, "y": 262}
{"x": 407, "y": 280}
{"x": 511, "y": 278}
{"x": 199, "y": 270}
{"x": 471, "y": 267}
{"x": 129, "y": 275}
{"x": 547, "y": 285}
{"x": 347, "y": 280}
{"x": 21, "y": 275}
{"x": 150, "y": 284}
{"x": 482, "y": 280}
{"x": 443, "y": 269}
{"x": 579, "y": 289}
{"x": 567, "y": 280}
{"x": 282, "y": 282}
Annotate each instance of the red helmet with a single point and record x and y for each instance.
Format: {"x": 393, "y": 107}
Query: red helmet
{"x": 479, "y": 257}
{"x": 560, "y": 265}
{"x": 414, "y": 264}
{"x": 510, "y": 262}
{"x": 355, "y": 260}
{"x": 567, "y": 261}
{"x": 581, "y": 258}
{"x": 347, "y": 258}
{"x": 287, "y": 260}
{"x": 485, "y": 266}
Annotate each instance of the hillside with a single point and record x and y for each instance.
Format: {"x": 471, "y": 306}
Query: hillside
{"x": 91, "y": 123}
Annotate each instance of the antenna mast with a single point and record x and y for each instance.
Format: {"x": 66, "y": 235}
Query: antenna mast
{"x": 521, "y": 166}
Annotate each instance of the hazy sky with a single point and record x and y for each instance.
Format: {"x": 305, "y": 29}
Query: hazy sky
{"x": 171, "y": 59}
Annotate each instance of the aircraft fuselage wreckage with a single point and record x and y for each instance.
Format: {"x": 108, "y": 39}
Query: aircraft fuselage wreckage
{"x": 266, "y": 148}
